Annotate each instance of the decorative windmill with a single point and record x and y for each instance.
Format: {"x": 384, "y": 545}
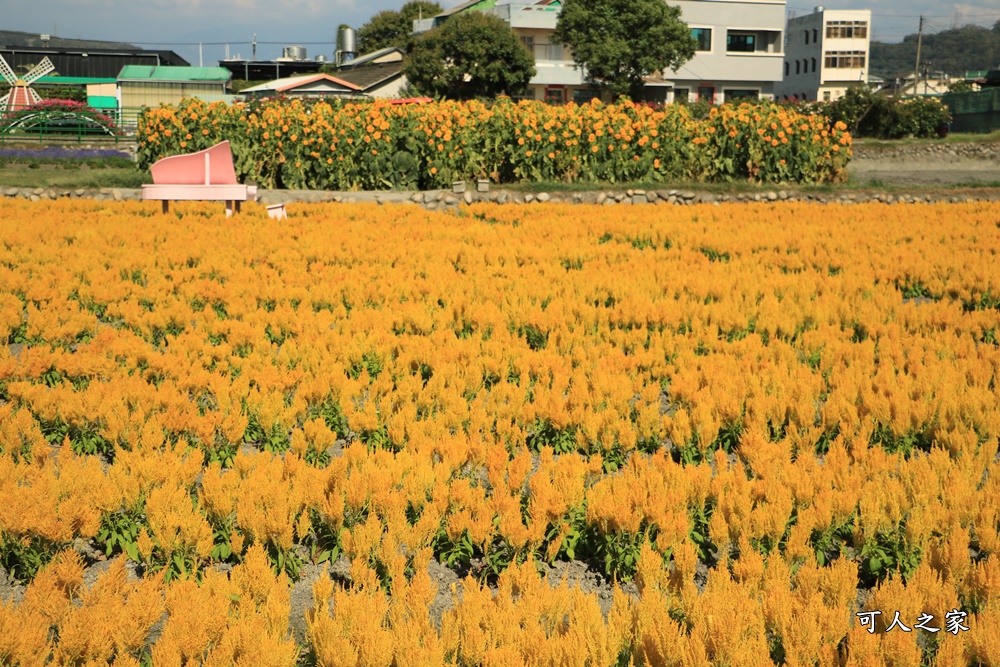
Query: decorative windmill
{"x": 21, "y": 95}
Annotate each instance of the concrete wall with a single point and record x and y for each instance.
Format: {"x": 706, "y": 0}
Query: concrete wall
{"x": 720, "y": 68}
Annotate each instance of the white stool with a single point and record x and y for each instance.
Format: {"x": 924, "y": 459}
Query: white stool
{"x": 276, "y": 211}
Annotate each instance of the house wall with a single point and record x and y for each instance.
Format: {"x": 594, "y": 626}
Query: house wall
{"x": 390, "y": 89}
{"x": 135, "y": 94}
{"x": 720, "y": 68}
{"x": 824, "y": 82}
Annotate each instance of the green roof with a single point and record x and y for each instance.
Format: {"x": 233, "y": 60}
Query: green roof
{"x": 165, "y": 73}
{"x": 73, "y": 80}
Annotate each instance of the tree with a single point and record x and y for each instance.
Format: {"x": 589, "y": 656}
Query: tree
{"x": 391, "y": 28}
{"x": 472, "y": 55}
{"x": 619, "y": 42}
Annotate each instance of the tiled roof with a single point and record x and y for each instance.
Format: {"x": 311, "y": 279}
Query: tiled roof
{"x": 370, "y": 76}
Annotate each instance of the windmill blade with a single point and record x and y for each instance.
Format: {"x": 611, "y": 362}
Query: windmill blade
{"x": 38, "y": 71}
{"x": 3, "y": 102}
{"x": 34, "y": 97}
{"x": 6, "y": 72}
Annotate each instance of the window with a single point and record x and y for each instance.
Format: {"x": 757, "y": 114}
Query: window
{"x": 826, "y": 95}
{"x": 787, "y": 67}
{"x": 549, "y": 52}
{"x": 733, "y": 95}
{"x": 798, "y": 66}
{"x": 704, "y": 38}
{"x": 807, "y": 36}
{"x": 681, "y": 95}
{"x": 555, "y": 95}
{"x": 815, "y": 35}
{"x": 584, "y": 95}
{"x": 706, "y": 94}
{"x": 847, "y": 29}
{"x": 737, "y": 42}
{"x": 844, "y": 59}
{"x": 814, "y": 64}
{"x": 528, "y": 41}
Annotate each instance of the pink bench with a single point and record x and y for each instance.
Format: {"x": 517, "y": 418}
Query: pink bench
{"x": 207, "y": 175}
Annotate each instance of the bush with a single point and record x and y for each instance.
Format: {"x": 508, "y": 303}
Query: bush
{"x": 869, "y": 114}
{"x": 378, "y": 145}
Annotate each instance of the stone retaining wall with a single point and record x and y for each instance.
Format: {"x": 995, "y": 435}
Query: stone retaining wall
{"x": 443, "y": 200}
{"x": 943, "y": 151}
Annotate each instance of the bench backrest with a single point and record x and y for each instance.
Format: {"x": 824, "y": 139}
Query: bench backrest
{"x": 212, "y": 166}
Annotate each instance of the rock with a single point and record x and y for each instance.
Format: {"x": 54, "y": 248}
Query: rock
{"x": 301, "y": 599}
{"x": 528, "y": 198}
{"x": 431, "y": 205}
{"x": 502, "y": 197}
{"x": 467, "y": 196}
{"x": 543, "y": 196}
{"x": 449, "y": 199}
{"x": 117, "y": 194}
{"x": 601, "y": 197}
{"x": 772, "y": 196}
{"x": 687, "y": 194}
{"x": 11, "y": 192}
{"x": 651, "y": 196}
{"x": 38, "y": 191}
{"x": 418, "y": 197}
{"x": 639, "y": 199}
{"x": 34, "y": 198}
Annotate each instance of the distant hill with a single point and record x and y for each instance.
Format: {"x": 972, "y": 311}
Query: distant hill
{"x": 30, "y": 40}
{"x": 954, "y": 51}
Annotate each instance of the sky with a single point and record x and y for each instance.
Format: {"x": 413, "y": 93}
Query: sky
{"x": 180, "y": 25}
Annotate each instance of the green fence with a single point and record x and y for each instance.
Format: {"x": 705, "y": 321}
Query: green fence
{"x": 64, "y": 126}
{"x": 977, "y": 112}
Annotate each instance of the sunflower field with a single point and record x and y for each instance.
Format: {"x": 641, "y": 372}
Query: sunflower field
{"x": 771, "y": 430}
{"x": 377, "y": 145}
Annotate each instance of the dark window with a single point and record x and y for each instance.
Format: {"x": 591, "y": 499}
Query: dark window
{"x": 815, "y": 35}
{"x": 797, "y": 67}
{"x": 787, "y": 66}
{"x": 741, "y": 42}
{"x": 681, "y": 95}
{"x": 703, "y": 36}
{"x": 741, "y": 94}
{"x": 706, "y": 93}
{"x": 807, "y": 36}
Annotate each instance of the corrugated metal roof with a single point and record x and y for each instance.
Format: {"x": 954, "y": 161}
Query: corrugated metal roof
{"x": 150, "y": 73}
{"x": 73, "y": 80}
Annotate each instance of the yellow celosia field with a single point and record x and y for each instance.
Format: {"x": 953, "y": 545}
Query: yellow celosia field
{"x": 757, "y": 423}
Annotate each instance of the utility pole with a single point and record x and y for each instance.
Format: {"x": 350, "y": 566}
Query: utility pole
{"x": 916, "y": 67}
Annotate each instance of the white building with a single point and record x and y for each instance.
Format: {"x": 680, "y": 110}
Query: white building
{"x": 826, "y": 53}
{"x": 739, "y": 54}
{"x": 739, "y": 50}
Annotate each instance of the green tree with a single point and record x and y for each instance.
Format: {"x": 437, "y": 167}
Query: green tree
{"x": 471, "y": 55}
{"x": 391, "y": 28}
{"x": 619, "y": 42}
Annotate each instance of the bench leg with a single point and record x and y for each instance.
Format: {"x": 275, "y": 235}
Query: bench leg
{"x": 229, "y": 208}
{"x": 165, "y": 207}
{"x": 239, "y": 206}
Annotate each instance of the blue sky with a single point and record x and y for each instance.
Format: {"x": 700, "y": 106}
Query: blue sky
{"x": 180, "y": 25}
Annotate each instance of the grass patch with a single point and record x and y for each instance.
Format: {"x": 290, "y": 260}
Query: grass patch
{"x": 21, "y": 175}
{"x": 953, "y": 138}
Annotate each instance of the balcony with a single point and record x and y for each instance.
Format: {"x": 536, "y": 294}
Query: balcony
{"x": 557, "y": 73}
{"x": 539, "y": 17}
